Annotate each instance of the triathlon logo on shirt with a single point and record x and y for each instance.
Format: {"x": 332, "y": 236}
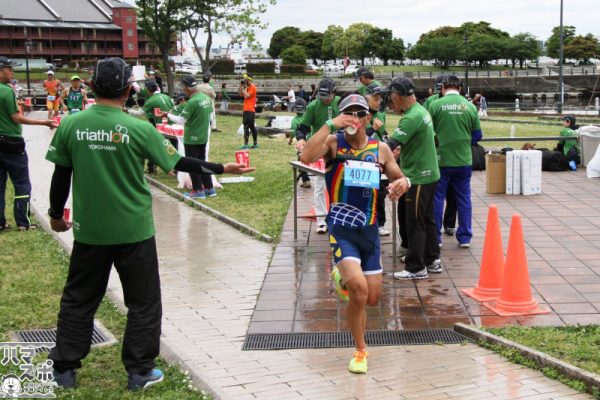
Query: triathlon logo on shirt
{"x": 462, "y": 107}
{"x": 104, "y": 140}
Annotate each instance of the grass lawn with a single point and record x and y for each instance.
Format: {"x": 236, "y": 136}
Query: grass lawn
{"x": 32, "y": 276}
{"x": 263, "y": 203}
{"x": 577, "y": 345}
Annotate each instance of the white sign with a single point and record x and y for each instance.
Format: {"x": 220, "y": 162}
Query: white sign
{"x": 139, "y": 72}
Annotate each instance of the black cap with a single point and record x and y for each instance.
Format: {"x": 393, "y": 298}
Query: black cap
{"x": 374, "y": 88}
{"x": 326, "y": 88}
{"x": 112, "y": 74}
{"x": 401, "y": 85}
{"x": 439, "y": 81}
{"x": 7, "y": 62}
{"x": 151, "y": 85}
{"x": 452, "y": 81}
{"x": 570, "y": 118}
{"x": 299, "y": 106}
{"x": 189, "y": 81}
{"x": 353, "y": 100}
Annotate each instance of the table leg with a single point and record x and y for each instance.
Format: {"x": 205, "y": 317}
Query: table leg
{"x": 394, "y": 233}
{"x": 295, "y": 175}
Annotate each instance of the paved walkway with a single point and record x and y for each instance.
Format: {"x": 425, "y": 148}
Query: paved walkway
{"x": 212, "y": 275}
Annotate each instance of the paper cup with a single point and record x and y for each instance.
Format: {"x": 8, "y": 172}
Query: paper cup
{"x": 67, "y": 214}
{"x": 157, "y": 112}
{"x": 28, "y": 101}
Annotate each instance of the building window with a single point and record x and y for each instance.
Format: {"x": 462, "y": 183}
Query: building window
{"x": 129, "y": 32}
{"x": 129, "y": 18}
{"x": 130, "y": 46}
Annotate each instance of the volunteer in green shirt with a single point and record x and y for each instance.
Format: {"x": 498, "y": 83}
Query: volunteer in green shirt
{"x": 195, "y": 117}
{"x": 75, "y": 95}
{"x": 104, "y": 150}
{"x": 418, "y": 161}
{"x": 13, "y": 158}
{"x": 437, "y": 92}
{"x": 299, "y": 108}
{"x": 457, "y": 127}
{"x": 224, "y": 97}
{"x": 324, "y": 108}
{"x": 570, "y": 147}
{"x": 156, "y": 100}
{"x": 376, "y": 130}
{"x": 366, "y": 77}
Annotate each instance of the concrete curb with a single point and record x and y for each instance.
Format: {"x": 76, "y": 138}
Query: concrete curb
{"x": 543, "y": 360}
{"x": 166, "y": 352}
{"x": 212, "y": 212}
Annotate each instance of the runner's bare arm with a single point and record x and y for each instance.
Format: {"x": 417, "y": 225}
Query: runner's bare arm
{"x": 322, "y": 144}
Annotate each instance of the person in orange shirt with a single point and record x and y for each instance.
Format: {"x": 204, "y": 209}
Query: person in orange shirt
{"x": 53, "y": 88}
{"x": 248, "y": 92}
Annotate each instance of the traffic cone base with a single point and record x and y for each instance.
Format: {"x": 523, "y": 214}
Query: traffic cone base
{"x": 482, "y": 294}
{"x": 312, "y": 215}
{"x": 511, "y": 309}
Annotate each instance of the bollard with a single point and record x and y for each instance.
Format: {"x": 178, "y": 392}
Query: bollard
{"x": 512, "y": 130}
{"x": 597, "y": 103}
{"x": 517, "y": 105}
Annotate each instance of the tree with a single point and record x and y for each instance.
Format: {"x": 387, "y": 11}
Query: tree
{"x": 161, "y": 20}
{"x": 522, "y": 47}
{"x": 582, "y": 48}
{"x": 294, "y": 55}
{"x": 282, "y": 39}
{"x": 444, "y": 50}
{"x": 330, "y": 37}
{"x": 384, "y": 45}
{"x": 237, "y": 19}
{"x": 553, "y": 42}
{"x": 313, "y": 44}
{"x": 352, "y": 43}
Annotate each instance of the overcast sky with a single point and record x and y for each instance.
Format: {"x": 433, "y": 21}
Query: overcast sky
{"x": 408, "y": 19}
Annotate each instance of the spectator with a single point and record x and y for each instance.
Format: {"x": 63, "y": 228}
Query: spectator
{"x": 570, "y": 148}
{"x": 366, "y": 77}
{"x": 302, "y": 93}
{"x": 247, "y": 90}
{"x": 299, "y": 109}
{"x": 155, "y": 75}
{"x": 291, "y": 98}
{"x": 224, "y": 97}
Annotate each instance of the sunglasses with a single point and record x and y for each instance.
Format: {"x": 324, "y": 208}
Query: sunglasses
{"x": 359, "y": 114}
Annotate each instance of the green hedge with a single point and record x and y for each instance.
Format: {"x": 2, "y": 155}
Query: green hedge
{"x": 223, "y": 67}
{"x": 292, "y": 69}
{"x": 261, "y": 68}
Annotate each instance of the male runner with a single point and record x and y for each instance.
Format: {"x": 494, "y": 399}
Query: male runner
{"x": 76, "y": 96}
{"x": 53, "y": 88}
{"x": 354, "y": 163}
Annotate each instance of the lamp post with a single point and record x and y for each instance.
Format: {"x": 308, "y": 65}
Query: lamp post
{"x": 561, "y": 86}
{"x": 466, "y": 40}
{"x": 28, "y": 45}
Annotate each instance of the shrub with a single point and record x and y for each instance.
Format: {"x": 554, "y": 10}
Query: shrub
{"x": 293, "y": 55}
{"x": 222, "y": 67}
{"x": 261, "y": 68}
{"x": 292, "y": 69}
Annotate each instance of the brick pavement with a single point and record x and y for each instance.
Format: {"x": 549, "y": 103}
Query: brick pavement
{"x": 211, "y": 277}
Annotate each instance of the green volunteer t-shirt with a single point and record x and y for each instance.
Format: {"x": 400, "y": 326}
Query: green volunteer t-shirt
{"x": 454, "y": 119}
{"x": 8, "y": 107}
{"x": 430, "y": 100}
{"x": 380, "y": 133}
{"x": 318, "y": 112}
{"x": 157, "y": 100}
{"x": 107, "y": 148}
{"x": 418, "y": 158}
{"x": 569, "y": 143}
{"x": 197, "y": 112}
{"x": 296, "y": 121}
{"x": 363, "y": 89}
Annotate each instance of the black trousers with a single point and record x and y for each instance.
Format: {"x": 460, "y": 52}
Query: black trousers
{"x": 451, "y": 210}
{"x": 248, "y": 121}
{"x": 416, "y": 217}
{"x": 201, "y": 180}
{"x": 89, "y": 269}
{"x": 381, "y": 202}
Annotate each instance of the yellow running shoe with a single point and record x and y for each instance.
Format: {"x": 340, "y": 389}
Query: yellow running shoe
{"x": 358, "y": 364}
{"x": 339, "y": 285}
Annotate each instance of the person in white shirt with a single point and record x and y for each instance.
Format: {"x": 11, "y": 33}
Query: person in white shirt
{"x": 291, "y": 98}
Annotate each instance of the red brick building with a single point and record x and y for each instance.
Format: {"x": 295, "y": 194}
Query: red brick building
{"x": 66, "y": 31}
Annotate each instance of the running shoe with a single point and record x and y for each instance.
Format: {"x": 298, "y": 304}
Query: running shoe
{"x": 464, "y": 245}
{"x": 211, "y": 192}
{"x": 339, "y": 285}
{"x": 254, "y": 146}
{"x": 66, "y": 379}
{"x": 358, "y": 364}
{"x": 435, "y": 267}
{"x": 196, "y": 194}
{"x": 305, "y": 184}
{"x": 142, "y": 381}
{"x": 244, "y": 147}
{"x": 383, "y": 231}
{"x": 450, "y": 231}
{"x": 322, "y": 229}
{"x": 411, "y": 276}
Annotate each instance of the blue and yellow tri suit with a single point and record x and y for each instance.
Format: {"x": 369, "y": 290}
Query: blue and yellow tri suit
{"x": 352, "y": 218}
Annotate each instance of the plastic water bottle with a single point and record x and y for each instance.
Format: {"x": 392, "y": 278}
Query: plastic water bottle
{"x": 512, "y": 131}
{"x": 572, "y": 165}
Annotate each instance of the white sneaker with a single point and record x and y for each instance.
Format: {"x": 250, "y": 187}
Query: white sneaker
{"x": 383, "y": 232}
{"x": 322, "y": 229}
{"x": 464, "y": 245}
{"x": 409, "y": 276}
{"x": 435, "y": 267}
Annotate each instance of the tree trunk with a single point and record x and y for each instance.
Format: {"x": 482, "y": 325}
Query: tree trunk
{"x": 165, "y": 58}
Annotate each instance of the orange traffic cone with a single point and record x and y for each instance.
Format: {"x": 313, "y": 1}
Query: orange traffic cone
{"x": 312, "y": 215}
{"x": 492, "y": 261}
{"x": 515, "y": 297}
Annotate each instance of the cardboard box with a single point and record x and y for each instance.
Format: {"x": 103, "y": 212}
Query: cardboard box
{"x": 495, "y": 173}
{"x": 513, "y": 172}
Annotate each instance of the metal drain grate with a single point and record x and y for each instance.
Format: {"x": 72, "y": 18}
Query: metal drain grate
{"x": 100, "y": 336}
{"x": 323, "y": 340}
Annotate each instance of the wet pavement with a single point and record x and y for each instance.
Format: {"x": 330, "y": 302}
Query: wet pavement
{"x": 215, "y": 279}
{"x": 562, "y": 235}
